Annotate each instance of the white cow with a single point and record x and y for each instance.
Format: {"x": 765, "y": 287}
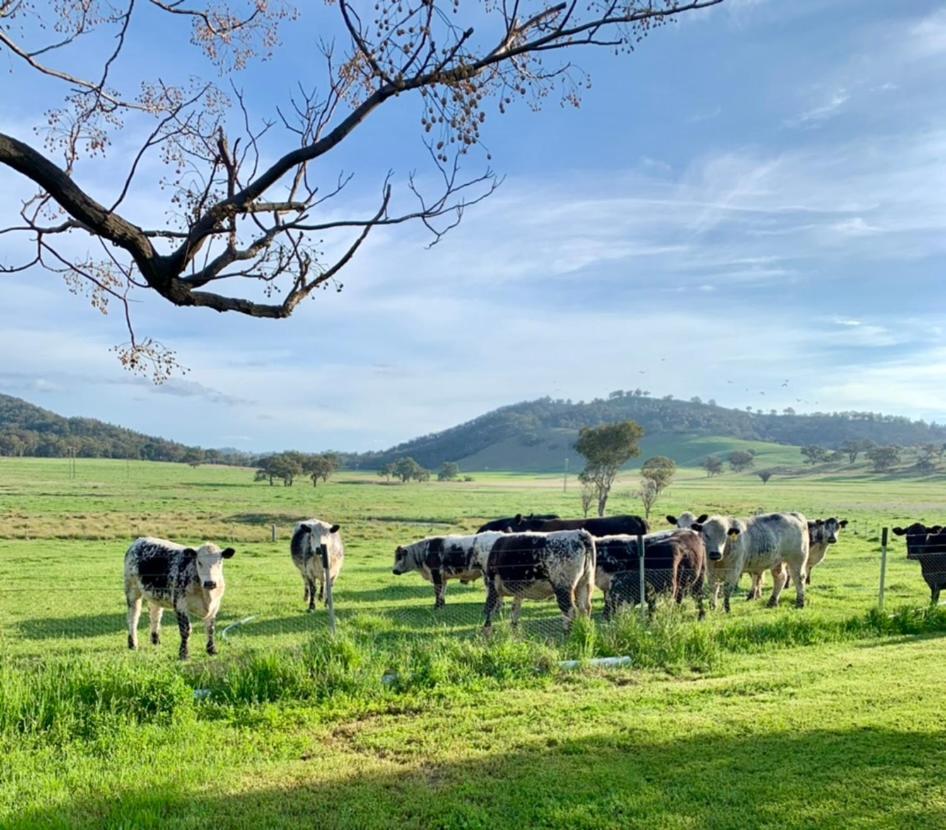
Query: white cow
{"x": 306, "y": 547}
{"x": 776, "y": 542}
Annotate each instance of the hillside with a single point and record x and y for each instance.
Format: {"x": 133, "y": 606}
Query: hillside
{"x": 28, "y": 430}
{"x": 538, "y": 435}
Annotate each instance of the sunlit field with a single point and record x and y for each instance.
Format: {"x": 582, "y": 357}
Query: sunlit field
{"x": 827, "y": 716}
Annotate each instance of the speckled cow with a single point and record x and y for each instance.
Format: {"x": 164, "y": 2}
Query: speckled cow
{"x": 186, "y": 580}
{"x": 306, "y": 546}
{"x": 772, "y": 541}
{"x": 441, "y": 558}
{"x": 539, "y": 566}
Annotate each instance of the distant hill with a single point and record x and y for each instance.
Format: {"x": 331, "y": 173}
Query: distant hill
{"x": 26, "y": 429}
{"x": 538, "y": 435}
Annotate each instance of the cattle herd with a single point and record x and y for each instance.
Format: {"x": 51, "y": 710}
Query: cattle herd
{"x": 534, "y": 557}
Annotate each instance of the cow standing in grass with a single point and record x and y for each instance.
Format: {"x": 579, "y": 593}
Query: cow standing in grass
{"x": 311, "y": 540}
{"x": 540, "y": 566}
{"x": 821, "y": 534}
{"x": 776, "y": 542}
{"x": 439, "y": 559}
{"x": 674, "y": 564}
{"x": 927, "y": 545}
{"x": 186, "y": 580}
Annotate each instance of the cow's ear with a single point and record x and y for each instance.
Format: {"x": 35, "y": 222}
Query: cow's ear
{"x": 188, "y": 553}
{"x": 843, "y": 523}
{"x": 227, "y": 553}
{"x": 733, "y": 532}
{"x": 934, "y": 529}
{"x": 702, "y": 518}
{"x": 334, "y": 528}
{"x": 697, "y": 527}
{"x": 517, "y": 519}
{"x": 898, "y": 531}
{"x": 819, "y": 522}
{"x": 672, "y": 519}
{"x": 305, "y": 528}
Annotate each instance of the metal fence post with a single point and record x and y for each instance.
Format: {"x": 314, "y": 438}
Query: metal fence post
{"x": 883, "y": 566}
{"x": 329, "y": 600}
{"x": 641, "y": 582}
{"x": 274, "y": 533}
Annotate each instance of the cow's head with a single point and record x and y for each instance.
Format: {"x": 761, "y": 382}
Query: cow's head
{"x": 686, "y": 520}
{"x": 830, "y": 528}
{"x": 406, "y": 559}
{"x": 208, "y": 559}
{"x": 916, "y": 529}
{"x": 318, "y": 535}
{"x": 717, "y": 532}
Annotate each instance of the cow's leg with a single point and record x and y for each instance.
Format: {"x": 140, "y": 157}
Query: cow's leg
{"x": 322, "y": 587}
{"x": 184, "y": 626}
{"x": 565, "y": 597}
{"x": 310, "y": 592}
{"x": 305, "y": 590}
{"x": 440, "y": 588}
{"x": 493, "y": 603}
{"x": 798, "y": 576}
{"x": 155, "y": 612}
{"x": 134, "y": 613}
{"x": 516, "y": 611}
{"x": 210, "y": 625}
{"x": 779, "y": 578}
{"x": 699, "y": 594}
{"x": 934, "y": 593}
{"x": 728, "y": 588}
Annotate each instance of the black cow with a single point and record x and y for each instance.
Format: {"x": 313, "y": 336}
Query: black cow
{"x": 606, "y": 526}
{"x": 674, "y": 564}
{"x": 516, "y": 522}
{"x": 928, "y": 546}
{"x": 169, "y": 575}
{"x": 539, "y": 566}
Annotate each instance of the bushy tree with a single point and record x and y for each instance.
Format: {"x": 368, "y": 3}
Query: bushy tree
{"x": 648, "y": 495}
{"x": 449, "y": 471}
{"x": 741, "y": 460}
{"x": 765, "y": 475}
{"x": 606, "y": 449}
{"x": 884, "y": 458}
{"x": 320, "y": 467}
{"x": 813, "y": 454}
{"x": 713, "y": 465}
{"x": 660, "y": 470}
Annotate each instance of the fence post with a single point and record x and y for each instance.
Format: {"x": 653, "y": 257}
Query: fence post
{"x": 329, "y": 600}
{"x": 883, "y": 566}
{"x": 641, "y": 582}
{"x": 274, "y": 533}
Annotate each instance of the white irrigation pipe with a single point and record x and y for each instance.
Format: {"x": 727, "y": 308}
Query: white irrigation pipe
{"x": 235, "y": 624}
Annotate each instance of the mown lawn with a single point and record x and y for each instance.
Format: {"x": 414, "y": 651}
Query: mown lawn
{"x": 825, "y": 717}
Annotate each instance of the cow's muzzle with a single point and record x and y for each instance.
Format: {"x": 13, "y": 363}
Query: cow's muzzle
{"x": 714, "y": 556}
{"x": 209, "y": 584}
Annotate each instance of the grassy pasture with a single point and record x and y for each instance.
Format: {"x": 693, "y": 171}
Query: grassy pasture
{"x": 825, "y": 717}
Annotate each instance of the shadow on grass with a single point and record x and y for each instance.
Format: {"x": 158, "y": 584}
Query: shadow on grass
{"x": 79, "y": 625}
{"x": 868, "y": 778}
{"x": 263, "y": 518}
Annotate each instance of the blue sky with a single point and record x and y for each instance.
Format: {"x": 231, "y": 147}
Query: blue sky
{"x": 755, "y": 195}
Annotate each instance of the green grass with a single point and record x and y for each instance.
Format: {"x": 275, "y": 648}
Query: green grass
{"x": 824, "y": 717}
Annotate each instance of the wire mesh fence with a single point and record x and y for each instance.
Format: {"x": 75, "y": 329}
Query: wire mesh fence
{"x": 76, "y": 604}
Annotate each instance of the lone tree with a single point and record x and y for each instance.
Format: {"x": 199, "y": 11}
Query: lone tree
{"x": 765, "y": 475}
{"x": 713, "y": 465}
{"x": 813, "y": 454}
{"x": 606, "y": 449}
{"x": 321, "y": 467}
{"x": 741, "y": 460}
{"x": 407, "y": 469}
{"x": 660, "y": 470}
{"x": 648, "y": 495}
{"x": 242, "y": 179}
{"x": 449, "y": 471}
{"x": 883, "y": 458}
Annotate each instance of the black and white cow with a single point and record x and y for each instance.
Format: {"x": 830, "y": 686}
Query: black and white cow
{"x": 439, "y": 559}
{"x": 186, "y": 580}
{"x": 821, "y": 534}
{"x": 308, "y": 541}
{"x": 560, "y": 564}
{"x": 674, "y": 564}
